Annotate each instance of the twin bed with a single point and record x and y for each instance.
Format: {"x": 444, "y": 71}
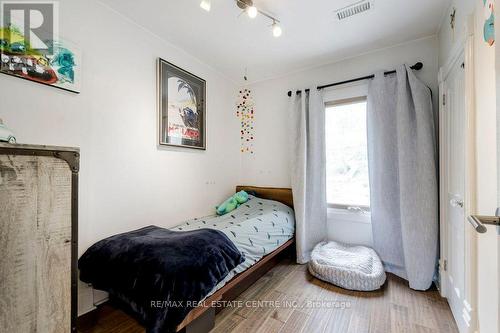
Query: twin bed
{"x": 262, "y": 230}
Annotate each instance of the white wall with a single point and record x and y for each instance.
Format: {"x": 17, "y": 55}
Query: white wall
{"x": 487, "y": 192}
{"x": 126, "y": 181}
{"x": 487, "y": 173}
{"x": 269, "y": 165}
{"x": 486, "y": 150}
{"x": 450, "y": 40}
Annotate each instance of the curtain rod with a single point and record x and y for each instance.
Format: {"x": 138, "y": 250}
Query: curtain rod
{"x": 418, "y": 66}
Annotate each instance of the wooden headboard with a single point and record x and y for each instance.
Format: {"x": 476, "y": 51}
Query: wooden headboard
{"x": 283, "y": 195}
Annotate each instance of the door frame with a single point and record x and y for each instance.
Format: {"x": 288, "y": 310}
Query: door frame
{"x": 465, "y": 49}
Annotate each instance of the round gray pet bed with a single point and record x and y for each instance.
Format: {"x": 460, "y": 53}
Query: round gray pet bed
{"x": 349, "y": 267}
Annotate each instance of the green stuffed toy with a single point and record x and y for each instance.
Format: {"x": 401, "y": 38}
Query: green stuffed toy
{"x": 232, "y": 203}
{"x": 241, "y": 197}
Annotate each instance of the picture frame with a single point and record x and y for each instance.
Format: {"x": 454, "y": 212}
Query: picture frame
{"x": 182, "y": 107}
{"x": 61, "y": 69}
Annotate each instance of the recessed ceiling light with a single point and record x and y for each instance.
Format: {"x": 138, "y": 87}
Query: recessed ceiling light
{"x": 206, "y": 5}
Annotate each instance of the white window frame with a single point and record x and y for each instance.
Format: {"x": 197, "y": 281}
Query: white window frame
{"x": 340, "y": 96}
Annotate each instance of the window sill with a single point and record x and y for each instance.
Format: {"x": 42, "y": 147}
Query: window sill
{"x": 336, "y": 215}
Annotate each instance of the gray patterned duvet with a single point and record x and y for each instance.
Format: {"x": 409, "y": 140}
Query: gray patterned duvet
{"x": 257, "y": 228}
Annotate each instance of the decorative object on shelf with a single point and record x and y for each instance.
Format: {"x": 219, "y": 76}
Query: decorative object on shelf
{"x": 6, "y": 135}
{"x": 182, "y": 102}
{"x": 245, "y": 111}
{"x": 59, "y": 68}
{"x": 489, "y": 23}
{"x": 252, "y": 11}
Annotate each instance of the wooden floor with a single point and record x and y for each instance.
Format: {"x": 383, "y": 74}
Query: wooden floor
{"x": 298, "y": 302}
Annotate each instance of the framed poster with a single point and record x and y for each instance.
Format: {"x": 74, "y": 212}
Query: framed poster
{"x": 182, "y": 107}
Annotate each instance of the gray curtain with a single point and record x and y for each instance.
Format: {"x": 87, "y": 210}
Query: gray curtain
{"x": 308, "y": 170}
{"x": 403, "y": 176}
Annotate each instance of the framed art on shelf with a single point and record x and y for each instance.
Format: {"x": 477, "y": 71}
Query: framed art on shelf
{"x": 182, "y": 107}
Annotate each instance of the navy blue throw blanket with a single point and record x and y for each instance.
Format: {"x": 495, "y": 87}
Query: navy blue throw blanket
{"x": 159, "y": 274}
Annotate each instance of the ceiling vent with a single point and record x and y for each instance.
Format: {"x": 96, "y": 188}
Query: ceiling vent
{"x": 354, "y": 9}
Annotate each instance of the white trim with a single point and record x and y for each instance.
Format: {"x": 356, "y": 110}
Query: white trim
{"x": 467, "y": 315}
{"x": 349, "y": 91}
{"x": 342, "y": 215}
{"x": 470, "y": 297}
{"x": 443, "y": 185}
{"x": 466, "y": 50}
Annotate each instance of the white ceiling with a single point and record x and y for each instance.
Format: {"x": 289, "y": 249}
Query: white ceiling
{"x": 311, "y": 34}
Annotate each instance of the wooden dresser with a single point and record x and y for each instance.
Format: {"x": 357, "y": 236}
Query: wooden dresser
{"x": 38, "y": 238}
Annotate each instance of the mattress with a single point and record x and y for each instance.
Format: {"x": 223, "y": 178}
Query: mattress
{"x": 256, "y": 228}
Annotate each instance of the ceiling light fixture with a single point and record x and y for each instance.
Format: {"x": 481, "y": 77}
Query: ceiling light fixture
{"x": 206, "y": 5}
{"x": 252, "y": 11}
{"x": 277, "y": 31}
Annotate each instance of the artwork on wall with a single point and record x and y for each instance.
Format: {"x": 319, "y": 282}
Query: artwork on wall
{"x": 245, "y": 111}
{"x": 60, "y": 68}
{"x": 182, "y": 103}
{"x": 489, "y": 22}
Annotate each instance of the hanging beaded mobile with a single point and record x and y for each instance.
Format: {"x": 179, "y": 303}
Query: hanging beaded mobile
{"x": 245, "y": 112}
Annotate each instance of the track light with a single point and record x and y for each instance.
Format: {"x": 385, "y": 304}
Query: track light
{"x": 206, "y": 5}
{"x": 252, "y": 11}
{"x": 276, "y": 29}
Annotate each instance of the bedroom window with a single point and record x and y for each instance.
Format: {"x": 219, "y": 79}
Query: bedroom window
{"x": 347, "y": 182}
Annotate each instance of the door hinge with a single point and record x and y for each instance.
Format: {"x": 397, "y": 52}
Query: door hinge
{"x": 444, "y": 100}
{"x": 445, "y": 265}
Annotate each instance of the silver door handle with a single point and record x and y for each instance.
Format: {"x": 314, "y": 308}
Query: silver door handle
{"x": 478, "y": 222}
{"x": 457, "y": 203}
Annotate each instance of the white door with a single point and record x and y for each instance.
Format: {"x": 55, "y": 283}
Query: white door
{"x": 454, "y": 189}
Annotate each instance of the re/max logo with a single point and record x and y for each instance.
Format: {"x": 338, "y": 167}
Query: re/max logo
{"x": 30, "y": 25}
